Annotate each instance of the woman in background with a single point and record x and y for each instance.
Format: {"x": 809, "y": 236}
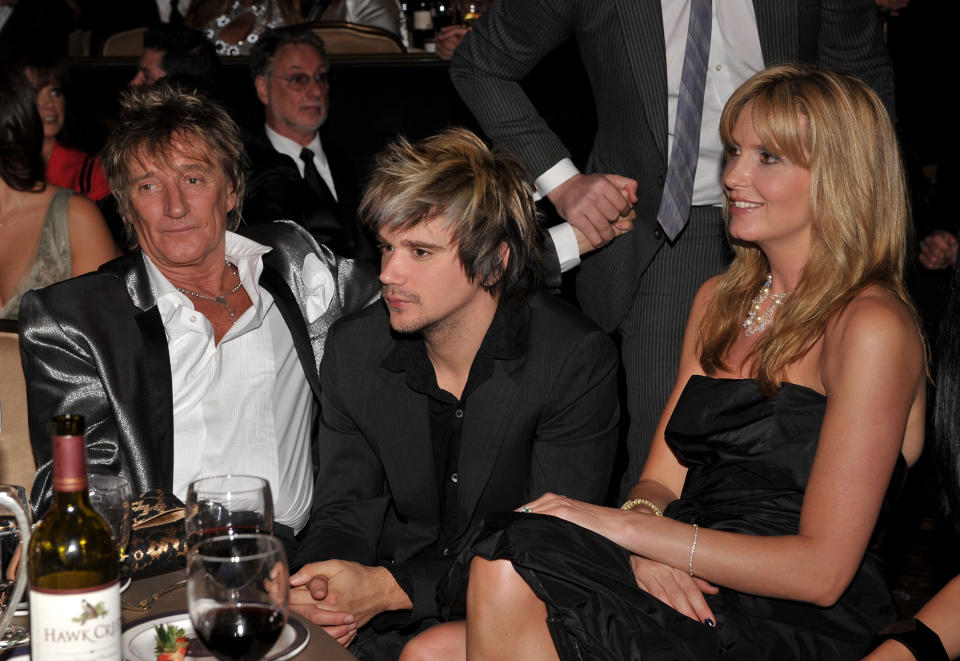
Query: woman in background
{"x": 800, "y": 394}
{"x": 65, "y": 167}
{"x": 235, "y": 25}
{"x": 47, "y": 233}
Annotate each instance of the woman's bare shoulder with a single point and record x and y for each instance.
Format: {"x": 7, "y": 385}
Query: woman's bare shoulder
{"x": 875, "y": 314}
{"x": 873, "y": 329}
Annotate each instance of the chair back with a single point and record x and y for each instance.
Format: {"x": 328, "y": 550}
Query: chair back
{"x": 342, "y": 38}
{"x": 128, "y": 43}
{"x": 16, "y": 454}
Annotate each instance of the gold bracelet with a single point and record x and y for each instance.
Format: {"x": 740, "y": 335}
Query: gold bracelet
{"x": 693, "y": 547}
{"x": 630, "y": 504}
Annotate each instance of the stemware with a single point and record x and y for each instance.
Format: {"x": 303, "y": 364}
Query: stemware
{"x": 237, "y": 594}
{"x": 110, "y": 497}
{"x": 228, "y": 504}
{"x": 470, "y": 10}
{"x": 14, "y": 534}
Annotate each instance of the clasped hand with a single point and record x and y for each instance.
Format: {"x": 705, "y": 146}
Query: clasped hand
{"x": 596, "y": 204}
{"x": 341, "y": 596}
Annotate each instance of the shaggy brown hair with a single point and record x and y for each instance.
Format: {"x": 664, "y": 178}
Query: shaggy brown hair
{"x": 21, "y": 133}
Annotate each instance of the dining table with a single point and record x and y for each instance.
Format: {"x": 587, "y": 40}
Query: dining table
{"x": 170, "y": 594}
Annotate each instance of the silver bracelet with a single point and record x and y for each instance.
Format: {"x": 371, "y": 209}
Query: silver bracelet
{"x": 693, "y": 547}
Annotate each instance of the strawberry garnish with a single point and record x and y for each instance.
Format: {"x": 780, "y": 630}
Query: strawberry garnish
{"x": 172, "y": 643}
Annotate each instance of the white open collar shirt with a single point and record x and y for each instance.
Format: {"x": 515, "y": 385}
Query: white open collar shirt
{"x": 243, "y": 406}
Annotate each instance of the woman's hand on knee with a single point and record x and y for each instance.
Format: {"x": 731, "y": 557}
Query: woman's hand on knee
{"x": 676, "y": 588}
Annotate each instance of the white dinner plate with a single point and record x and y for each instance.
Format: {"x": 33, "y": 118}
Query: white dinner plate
{"x": 24, "y": 607}
{"x": 139, "y": 638}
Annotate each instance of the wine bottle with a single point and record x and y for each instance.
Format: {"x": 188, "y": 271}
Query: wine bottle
{"x": 423, "y": 25}
{"x": 73, "y": 563}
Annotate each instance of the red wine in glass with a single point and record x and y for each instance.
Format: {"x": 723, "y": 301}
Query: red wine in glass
{"x": 245, "y": 632}
{"x": 237, "y": 594}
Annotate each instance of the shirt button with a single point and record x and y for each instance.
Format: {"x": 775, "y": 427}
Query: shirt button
{"x": 193, "y": 319}
{"x": 446, "y": 551}
{"x": 454, "y": 478}
{"x": 719, "y": 67}
{"x": 459, "y": 413}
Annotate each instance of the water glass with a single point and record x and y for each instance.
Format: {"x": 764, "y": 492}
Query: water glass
{"x": 110, "y": 497}
{"x": 14, "y": 536}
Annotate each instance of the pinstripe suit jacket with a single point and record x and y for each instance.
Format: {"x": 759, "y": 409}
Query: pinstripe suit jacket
{"x": 621, "y": 44}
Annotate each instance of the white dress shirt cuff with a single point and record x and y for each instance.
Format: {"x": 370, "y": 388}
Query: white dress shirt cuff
{"x": 565, "y": 243}
{"x": 559, "y": 173}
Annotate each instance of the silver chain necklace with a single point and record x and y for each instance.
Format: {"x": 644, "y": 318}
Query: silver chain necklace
{"x": 755, "y": 322}
{"x": 222, "y": 299}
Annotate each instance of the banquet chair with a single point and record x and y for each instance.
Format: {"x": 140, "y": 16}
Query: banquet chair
{"x": 16, "y": 454}
{"x": 128, "y": 43}
{"x": 342, "y": 38}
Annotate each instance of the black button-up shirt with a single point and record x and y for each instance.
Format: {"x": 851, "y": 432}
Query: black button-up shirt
{"x": 505, "y": 339}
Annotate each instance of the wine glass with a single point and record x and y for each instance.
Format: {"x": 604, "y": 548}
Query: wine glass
{"x": 227, "y": 505}
{"x": 470, "y": 10}
{"x": 14, "y": 532}
{"x": 110, "y": 497}
{"x": 237, "y": 593}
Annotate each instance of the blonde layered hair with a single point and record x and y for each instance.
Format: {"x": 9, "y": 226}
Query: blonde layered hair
{"x": 483, "y": 195}
{"x": 833, "y": 125}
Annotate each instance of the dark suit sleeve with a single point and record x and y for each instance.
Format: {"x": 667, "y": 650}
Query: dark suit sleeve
{"x": 850, "y": 39}
{"x": 504, "y": 46}
{"x": 577, "y": 436}
{"x": 62, "y": 377}
{"x": 350, "y": 496}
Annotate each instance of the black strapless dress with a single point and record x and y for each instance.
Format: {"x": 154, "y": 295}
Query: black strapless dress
{"x": 749, "y": 458}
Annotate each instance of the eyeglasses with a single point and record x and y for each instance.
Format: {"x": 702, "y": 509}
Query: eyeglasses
{"x": 299, "y": 81}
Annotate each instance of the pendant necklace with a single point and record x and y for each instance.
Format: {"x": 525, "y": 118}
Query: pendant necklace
{"x": 222, "y": 299}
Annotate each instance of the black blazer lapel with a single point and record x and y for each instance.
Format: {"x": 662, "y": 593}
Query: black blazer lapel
{"x": 407, "y": 454}
{"x": 156, "y": 363}
{"x": 485, "y": 432}
{"x": 156, "y": 359}
{"x": 642, "y": 23}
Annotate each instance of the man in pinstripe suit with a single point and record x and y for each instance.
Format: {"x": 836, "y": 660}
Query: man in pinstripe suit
{"x": 642, "y": 285}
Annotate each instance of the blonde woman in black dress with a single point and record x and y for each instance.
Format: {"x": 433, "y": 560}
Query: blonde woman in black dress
{"x": 800, "y": 395}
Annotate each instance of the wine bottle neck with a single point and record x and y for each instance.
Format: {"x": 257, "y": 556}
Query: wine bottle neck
{"x": 69, "y": 464}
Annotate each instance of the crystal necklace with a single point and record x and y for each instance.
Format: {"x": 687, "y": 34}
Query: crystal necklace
{"x": 222, "y": 299}
{"x": 755, "y": 322}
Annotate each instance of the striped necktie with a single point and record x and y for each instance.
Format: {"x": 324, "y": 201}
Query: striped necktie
{"x": 678, "y": 188}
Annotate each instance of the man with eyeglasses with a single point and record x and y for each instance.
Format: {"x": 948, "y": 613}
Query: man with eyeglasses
{"x": 295, "y": 175}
